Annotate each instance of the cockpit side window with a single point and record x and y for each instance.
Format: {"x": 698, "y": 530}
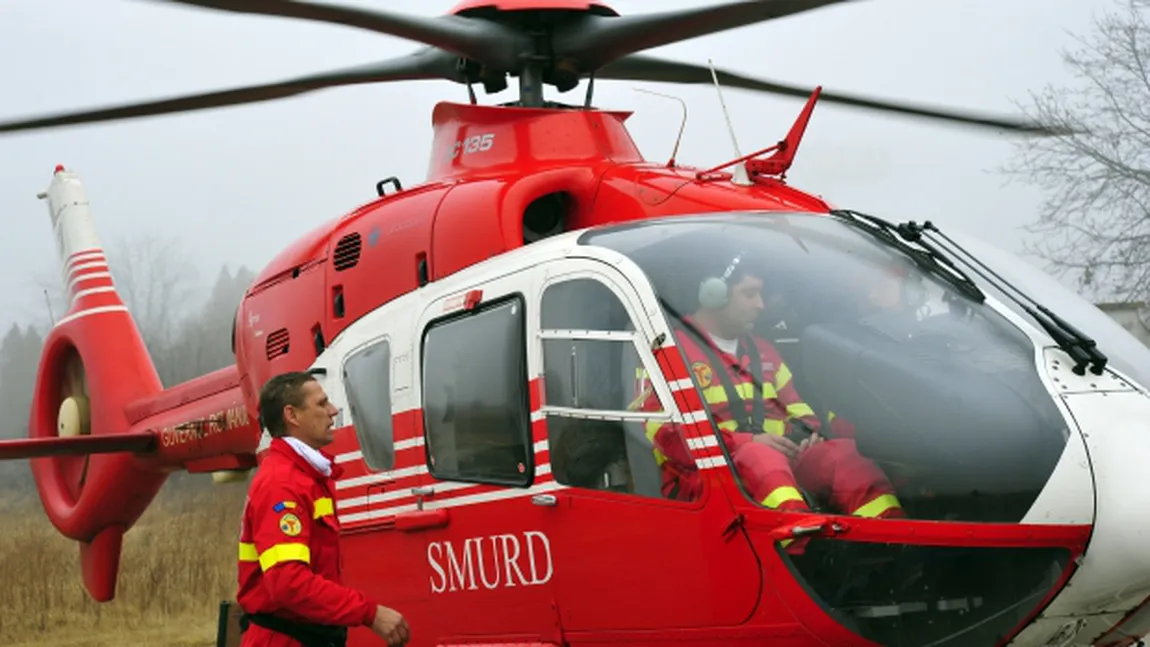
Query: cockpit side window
{"x": 476, "y": 409}
{"x": 599, "y": 400}
{"x": 367, "y": 380}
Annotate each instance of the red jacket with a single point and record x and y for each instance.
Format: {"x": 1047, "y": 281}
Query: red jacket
{"x": 781, "y": 402}
{"x": 289, "y": 560}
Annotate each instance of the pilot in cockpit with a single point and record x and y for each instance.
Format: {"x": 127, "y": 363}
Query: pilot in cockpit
{"x": 888, "y": 287}
{"x": 775, "y": 439}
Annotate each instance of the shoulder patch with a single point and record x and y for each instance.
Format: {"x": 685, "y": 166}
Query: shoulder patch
{"x": 290, "y": 525}
{"x": 279, "y": 507}
{"x": 703, "y": 374}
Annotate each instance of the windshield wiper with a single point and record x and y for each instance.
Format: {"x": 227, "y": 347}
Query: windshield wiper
{"x": 925, "y": 255}
{"x": 1077, "y": 345}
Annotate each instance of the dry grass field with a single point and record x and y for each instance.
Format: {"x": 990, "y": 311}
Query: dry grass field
{"x": 179, "y": 562}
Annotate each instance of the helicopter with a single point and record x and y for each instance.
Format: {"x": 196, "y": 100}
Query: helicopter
{"x": 499, "y": 484}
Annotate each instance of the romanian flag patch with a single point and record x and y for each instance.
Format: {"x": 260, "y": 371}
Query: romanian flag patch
{"x": 283, "y": 505}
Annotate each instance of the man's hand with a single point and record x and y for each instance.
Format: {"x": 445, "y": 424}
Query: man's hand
{"x": 810, "y": 441}
{"x": 779, "y": 443}
{"x": 390, "y": 626}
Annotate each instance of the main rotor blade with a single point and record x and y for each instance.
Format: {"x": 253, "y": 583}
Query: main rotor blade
{"x": 597, "y": 40}
{"x": 141, "y": 441}
{"x": 646, "y": 68}
{"x": 428, "y": 63}
{"x": 481, "y": 40}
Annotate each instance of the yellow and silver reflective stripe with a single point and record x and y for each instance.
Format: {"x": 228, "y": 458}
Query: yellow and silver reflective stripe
{"x": 782, "y": 377}
{"x": 652, "y": 427}
{"x": 771, "y": 426}
{"x": 799, "y": 410}
{"x": 877, "y": 506}
{"x": 248, "y": 552}
{"x": 323, "y": 508}
{"x": 275, "y": 555}
{"x": 781, "y": 495}
{"x": 717, "y": 394}
{"x": 776, "y": 427}
{"x": 285, "y": 553}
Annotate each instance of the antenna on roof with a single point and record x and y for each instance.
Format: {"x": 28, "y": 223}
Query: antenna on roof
{"x": 741, "y": 176}
{"x": 48, "y": 302}
{"x": 682, "y": 125}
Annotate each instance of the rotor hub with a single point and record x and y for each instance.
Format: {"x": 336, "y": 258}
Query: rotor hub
{"x": 73, "y": 418}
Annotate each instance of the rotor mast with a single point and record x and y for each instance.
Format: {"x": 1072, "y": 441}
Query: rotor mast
{"x": 531, "y": 84}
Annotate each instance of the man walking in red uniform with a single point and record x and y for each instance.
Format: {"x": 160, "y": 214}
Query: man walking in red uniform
{"x": 289, "y": 562}
{"x": 772, "y": 435}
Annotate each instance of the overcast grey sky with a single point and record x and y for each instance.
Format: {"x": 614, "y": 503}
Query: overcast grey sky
{"x": 237, "y": 184}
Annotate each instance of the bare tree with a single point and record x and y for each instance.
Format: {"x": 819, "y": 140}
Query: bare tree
{"x": 1095, "y": 222}
{"x": 158, "y": 283}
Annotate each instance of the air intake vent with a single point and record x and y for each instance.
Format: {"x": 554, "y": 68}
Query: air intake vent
{"x": 347, "y": 252}
{"x": 277, "y": 343}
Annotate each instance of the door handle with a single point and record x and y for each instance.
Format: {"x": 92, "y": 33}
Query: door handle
{"x": 421, "y": 520}
{"x": 547, "y": 500}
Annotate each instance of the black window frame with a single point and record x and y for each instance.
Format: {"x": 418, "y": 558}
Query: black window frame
{"x": 523, "y": 412}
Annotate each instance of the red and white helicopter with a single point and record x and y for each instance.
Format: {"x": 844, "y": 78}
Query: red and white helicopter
{"x": 499, "y": 486}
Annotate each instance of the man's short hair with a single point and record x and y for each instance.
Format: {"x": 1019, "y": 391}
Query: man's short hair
{"x": 277, "y": 393}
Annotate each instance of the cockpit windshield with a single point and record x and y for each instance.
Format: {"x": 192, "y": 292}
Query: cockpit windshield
{"x": 844, "y": 375}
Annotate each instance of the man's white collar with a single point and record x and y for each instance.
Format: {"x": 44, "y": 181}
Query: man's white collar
{"x": 310, "y": 455}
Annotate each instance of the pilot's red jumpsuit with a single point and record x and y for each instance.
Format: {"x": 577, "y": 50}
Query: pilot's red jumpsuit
{"x": 832, "y": 468}
{"x": 289, "y": 559}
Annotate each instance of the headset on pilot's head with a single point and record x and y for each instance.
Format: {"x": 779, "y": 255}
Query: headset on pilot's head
{"x": 714, "y": 290}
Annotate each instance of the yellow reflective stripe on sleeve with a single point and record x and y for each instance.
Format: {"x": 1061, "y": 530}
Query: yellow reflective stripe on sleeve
{"x": 248, "y": 552}
{"x": 323, "y": 508}
{"x": 782, "y": 495}
{"x": 877, "y": 506}
{"x": 729, "y": 425}
{"x": 285, "y": 553}
{"x": 782, "y": 377}
{"x": 799, "y": 410}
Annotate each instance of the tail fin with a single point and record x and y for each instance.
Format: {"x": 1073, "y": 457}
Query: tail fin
{"x": 93, "y": 364}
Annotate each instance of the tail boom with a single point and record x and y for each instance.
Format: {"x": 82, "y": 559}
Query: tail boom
{"x": 202, "y": 425}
